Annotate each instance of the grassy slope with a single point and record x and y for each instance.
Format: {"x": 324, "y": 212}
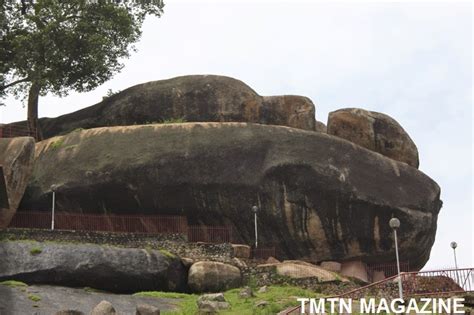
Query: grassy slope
{"x": 278, "y": 298}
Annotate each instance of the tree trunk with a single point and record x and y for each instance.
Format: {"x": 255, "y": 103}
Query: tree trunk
{"x": 33, "y": 97}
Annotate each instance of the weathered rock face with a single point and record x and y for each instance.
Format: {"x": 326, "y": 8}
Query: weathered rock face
{"x": 321, "y": 197}
{"x": 16, "y": 165}
{"x": 102, "y": 267}
{"x": 194, "y": 98}
{"x": 374, "y": 131}
{"x": 213, "y": 276}
{"x": 299, "y": 269}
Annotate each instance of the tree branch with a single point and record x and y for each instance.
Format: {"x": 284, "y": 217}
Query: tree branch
{"x": 4, "y": 87}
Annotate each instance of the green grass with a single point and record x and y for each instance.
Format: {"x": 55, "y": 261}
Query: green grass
{"x": 167, "y": 253}
{"x": 13, "y": 283}
{"x": 57, "y": 144}
{"x": 173, "y": 121}
{"x": 278, "y": 298}
{"x": 34, "y": 298}
{"x": 36, "y": 250}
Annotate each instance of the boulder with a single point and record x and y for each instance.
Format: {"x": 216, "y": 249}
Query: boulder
{"x": 321, "y": 127}
{"x": 146, "y": 309}
{"x": 374, "y": 131}
{"x": 241, "y": 251}
{"x": 193, "y": 98}
{"x": 246, "y": 293}
{"x": 272, "y": 260}
{"x": 104, "y": 308}
{"x": 320, "y": 197}
{"x": 212, "y": 303}
{"x": 299, "y": 269}
{"x": 333, "y": 266}
{"x": 86, "y": 265}
{"x": 16, "y": 165}
{"x": 212, "y": 276}
{"x": 355, "y": 269}
{"x": 263, "y": 289}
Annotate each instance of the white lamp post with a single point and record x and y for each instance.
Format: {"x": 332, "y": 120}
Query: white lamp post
{"x": 255, "y": 210}
{"x": 395, "y": 224}
{"x": 453, "y": 246}
{"x": 53, "y": 189}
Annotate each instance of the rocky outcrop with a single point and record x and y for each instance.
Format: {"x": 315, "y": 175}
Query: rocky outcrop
{"x": 321, "y": 127}
{"x": 321, "y": 197}
{"x": 16, "y": 165}
{"x": 193, "y": 98}
{"x": 213, "y": 276}
{"x": 300, "y": 269}
{"x": 86, "y": 265}
{"x": 374, "y": 131}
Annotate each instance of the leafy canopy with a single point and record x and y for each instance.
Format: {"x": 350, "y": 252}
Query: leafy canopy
{"x": 62, "y": 45}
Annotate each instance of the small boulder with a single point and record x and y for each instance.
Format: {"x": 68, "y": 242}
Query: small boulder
{"x": 272, "y": 260}
{"x": 241, "y": 251}
{"x": 263, "y": 289}
{"x": 321, "y": 127}
{"x": 212, "y": 276}
{"x": 212, "y": 303}
{"x": 187, "y": 262}
{"x": 246, "y": 293}
{"x": 104, "y": 308}
{"x": 146, "y": 309}
{"x": 261, "y": 304}
{"x": 374, "y": 131}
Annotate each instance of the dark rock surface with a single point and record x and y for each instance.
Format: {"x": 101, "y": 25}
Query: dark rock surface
{"x": 15, "y": 301}
{"x": 374, "y": 131}
{"x": 321, "y": 197}
{"x": 194, "y": 98}
{"x": 102, "y": 267}
{"x": 16, "y": 162}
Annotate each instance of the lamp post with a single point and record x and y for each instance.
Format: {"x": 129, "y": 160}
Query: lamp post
{"x": 395, "y": 224}
{"x": 53, "y": 189}
{"x": 255, "y": 210}
{"x": 453, "y": 246}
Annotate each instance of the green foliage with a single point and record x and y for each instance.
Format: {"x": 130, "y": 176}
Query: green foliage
{"x": 278, "y": 298}
{"x": 63, "y": 45}
{"x": 109, "y": 94}
{"x": 173, "y": 121}
{"x": 36, "y": 250}
{"x": 34, "y": 298}
{"x": 13, "y": 283}
{"x": 167, "y": 253}
{"x": 57, "y": 144}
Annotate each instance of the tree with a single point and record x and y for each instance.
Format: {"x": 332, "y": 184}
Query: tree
{"x": 57, "y": 46}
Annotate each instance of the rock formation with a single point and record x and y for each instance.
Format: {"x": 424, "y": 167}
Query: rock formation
{"x": 374, "y": 131}
{"x": 321, "y": 197}
{"x": 213, "y": 276}
{"x": 16, "y": 164}
{"x": 194, "y": 98}
{"x": 109, "y": 268}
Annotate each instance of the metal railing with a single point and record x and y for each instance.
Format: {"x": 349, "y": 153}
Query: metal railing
{"x": 263, "y": 253}
{"x": 416, "y": 283}
{"x": 12, "y": 131}
{"x": 385, "y": 270}
{"x": 146, "y": 224}
{"x": 209, "y": 234}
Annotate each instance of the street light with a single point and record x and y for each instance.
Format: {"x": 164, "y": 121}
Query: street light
{"x": 255, "y": 210}
{"x": 453, "y": 246}
{"x": 53, "y": 189}
{"x": 395, "y": 224}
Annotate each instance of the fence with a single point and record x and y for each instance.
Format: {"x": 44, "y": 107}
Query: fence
{"x": 11, "y": 131}
{"x": 381, "y": 271}
{"x": 262, "y": 253}
{"x": 210, "y": 234}
{"x": 146, "y": 224}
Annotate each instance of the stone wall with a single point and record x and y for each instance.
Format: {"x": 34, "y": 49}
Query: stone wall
{"x": 174, "y": 243}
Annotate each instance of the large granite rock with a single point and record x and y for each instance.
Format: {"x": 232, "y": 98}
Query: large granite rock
{"x": 321, "y": 197}
{"x": 213, "y": 276}
{"x": 16, "y": 165}
{"x": 194, "y": 98}
{"x": 375, "y": 131}
{"x": 86, "y": 265}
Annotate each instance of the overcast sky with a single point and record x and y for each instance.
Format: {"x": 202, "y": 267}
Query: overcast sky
{"x": 410, "y": 61}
